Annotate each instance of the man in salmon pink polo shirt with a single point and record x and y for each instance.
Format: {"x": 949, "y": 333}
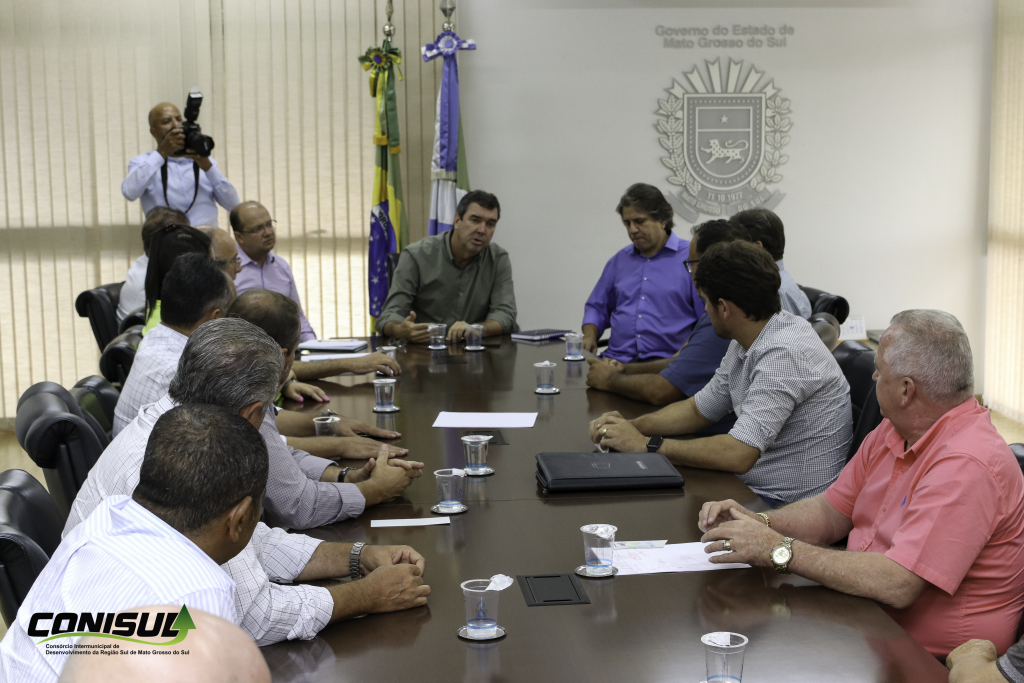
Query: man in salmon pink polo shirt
{"x": 933, "y": 502}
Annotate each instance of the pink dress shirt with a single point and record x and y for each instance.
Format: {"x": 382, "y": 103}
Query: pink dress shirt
{"x": 951, "y": 510}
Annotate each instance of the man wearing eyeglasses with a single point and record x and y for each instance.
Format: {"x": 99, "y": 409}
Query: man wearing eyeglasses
{"x": 261, "y": 268}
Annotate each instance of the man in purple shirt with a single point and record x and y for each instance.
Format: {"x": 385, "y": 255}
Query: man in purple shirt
{"x": 261, "y": 269}
{"x": 645, "y": 294}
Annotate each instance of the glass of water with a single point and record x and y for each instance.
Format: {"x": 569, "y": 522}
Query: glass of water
{"x": 546, "y": 377}
{"x": 437, "y": 335}
{"x": 574, "y": 346}
{"x": 598, "y": 540}
{"x": 449, "y": 490}
{"x": 475, "y": 446}
{"x": 481, "y": 609}
{"x": 388, "y": 350}
{"x": 474, "y": 337}
{"x": 327, "y": 426}
{"x": 384, "y": 390}
{"x": 723, "y": 655}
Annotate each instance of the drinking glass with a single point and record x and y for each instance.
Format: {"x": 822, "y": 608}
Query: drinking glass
{"x": 327, "y": 426}
{"x": 449, "y": 490}
{"x": 475, "y": 446}
{"x": 723, "y": 655}
{"x": 388, "y": 350}
{"x": 437, "y": 334}
{"x": 474, "y": 337}
{"x": 546, "y": 377}
{"x": 384, "y": 390}
{"x": 597, "y": 548}
{"x": 573, "y": 346}
{"x": 481, "y": 609}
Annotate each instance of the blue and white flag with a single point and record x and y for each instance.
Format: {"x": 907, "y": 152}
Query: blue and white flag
{"x": 448, "y": 172}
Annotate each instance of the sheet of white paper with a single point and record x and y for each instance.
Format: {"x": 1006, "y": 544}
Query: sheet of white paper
{"x": 330, "y": 356}
{"x": 623, "y": 545}
{"x": 417, "y": 521}
{"x": 679, "y": 557}
{"x": 485, "y": 420}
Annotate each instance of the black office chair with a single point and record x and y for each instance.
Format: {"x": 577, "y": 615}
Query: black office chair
{"x": 72, "y": 405}
{"x": 136, "y": 317}
{"x": 392, "y": 264}
{"x": 827, "y": 327}
{"x": 857, "y": 361}
{"x": 97, "y": 397}
{"x": 1018, "y": 452}
{"x": 117, "y": 358}
{"x": 30, "y": 529}
{"x": 823, "y": 302}
{"x": 100, "y": 307}
{"x": 61, "y": 440}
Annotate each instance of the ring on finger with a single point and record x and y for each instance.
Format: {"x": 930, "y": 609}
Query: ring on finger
{"x": 727, "y": 545}
{"x": 604, "y": 431}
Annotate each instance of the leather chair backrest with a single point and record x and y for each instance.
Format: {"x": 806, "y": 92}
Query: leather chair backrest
{"x": 71, "y": 403}
{"x": 823, "y": 302}
{"x": 858, "y": 375}
{"x": 100, "y": 307}
{"x": 63, "y": 444}
{"x": 827, "y": 328}
{"x": 870, "y": 417}
{"x": 847, "y": 351}
{"x": 97, "y": 397}
{"x": 30, "y": 529}
{"x": 1018, "y": 452}
{"x": 392, "y": 264}
{"x": 136, "y": 317}
{"x": 116, "y": 360}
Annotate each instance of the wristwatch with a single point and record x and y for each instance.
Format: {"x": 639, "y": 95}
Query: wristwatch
{"x": 781, "y": 555}
{"x": 353, "y": 561}
{"x": 344, "y": 473}
{"x": 654, "y": 443}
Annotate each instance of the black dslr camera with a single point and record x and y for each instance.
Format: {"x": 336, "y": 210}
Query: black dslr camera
{"x": 194, "y": 139}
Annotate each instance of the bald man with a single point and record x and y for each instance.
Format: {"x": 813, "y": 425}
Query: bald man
{"x": 218, "y": 652}
{"x": 222, "y": 248}
{"x": 256, "y": 234}
{"x": 171, "y": 176}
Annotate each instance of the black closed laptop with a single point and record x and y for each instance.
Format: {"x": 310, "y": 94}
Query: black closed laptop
{"x": 605, "y": 471}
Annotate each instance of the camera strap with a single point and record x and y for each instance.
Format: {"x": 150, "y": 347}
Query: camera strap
{"x": 163, "y": 179}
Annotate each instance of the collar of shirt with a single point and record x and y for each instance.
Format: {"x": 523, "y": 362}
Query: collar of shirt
{"x": 672, "y": 244}
{"x": 773, "y": 325}
{"x": 937, "y": 432}
{"x": 180, "y": 160}
{"x": 451, "y": 256}
{"x": 244, "y": 258}
{"x": 162, "y": 331}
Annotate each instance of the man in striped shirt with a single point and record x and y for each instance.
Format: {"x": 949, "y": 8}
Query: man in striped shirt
{"x": 233, "y": 364}
{"x": 197, "y": 504}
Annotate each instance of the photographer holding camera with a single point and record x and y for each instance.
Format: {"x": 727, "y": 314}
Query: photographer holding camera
{"x": 180, "y": 173}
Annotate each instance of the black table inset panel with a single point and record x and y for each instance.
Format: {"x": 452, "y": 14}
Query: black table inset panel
{"x": 552, "y": 589}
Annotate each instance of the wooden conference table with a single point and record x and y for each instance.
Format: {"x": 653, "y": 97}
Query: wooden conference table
{"x": 643, "y": 628}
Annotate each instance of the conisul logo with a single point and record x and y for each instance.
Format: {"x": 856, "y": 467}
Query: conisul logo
{"x": 114, "y": 626}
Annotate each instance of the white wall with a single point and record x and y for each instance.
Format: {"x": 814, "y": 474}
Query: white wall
{"x": 886, "y": 186}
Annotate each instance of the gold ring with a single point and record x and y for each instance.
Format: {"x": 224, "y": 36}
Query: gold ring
{"x": 604, "y": 431}
{"x": 727, "y": 544}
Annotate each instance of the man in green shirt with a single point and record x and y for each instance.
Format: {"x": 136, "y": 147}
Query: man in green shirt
{"x": 457, "y": 278}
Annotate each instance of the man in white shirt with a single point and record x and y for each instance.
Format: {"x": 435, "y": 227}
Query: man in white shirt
{"x": 197, "y": 504}
{"x": 133, "y": 291}
{"x": 235, "y": 365}
{"x": 147, "y": 173}
{"x": 194, "y": 292}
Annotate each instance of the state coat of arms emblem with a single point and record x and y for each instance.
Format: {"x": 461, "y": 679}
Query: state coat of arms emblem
{"x": 724, "y": 131}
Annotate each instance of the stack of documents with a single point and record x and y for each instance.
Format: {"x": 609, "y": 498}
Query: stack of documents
{"x": 333, "y": 345}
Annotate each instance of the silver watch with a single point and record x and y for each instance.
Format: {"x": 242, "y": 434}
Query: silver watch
{"x": 353, "y": 561}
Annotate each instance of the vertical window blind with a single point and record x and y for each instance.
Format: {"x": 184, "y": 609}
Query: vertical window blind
{"x": 1004, "y": 326}
{"x": 289, "y": 109}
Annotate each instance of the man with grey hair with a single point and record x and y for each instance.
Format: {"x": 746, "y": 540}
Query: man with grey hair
{"x": 933, "y": 502}
{"x": 235, "y": 365}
